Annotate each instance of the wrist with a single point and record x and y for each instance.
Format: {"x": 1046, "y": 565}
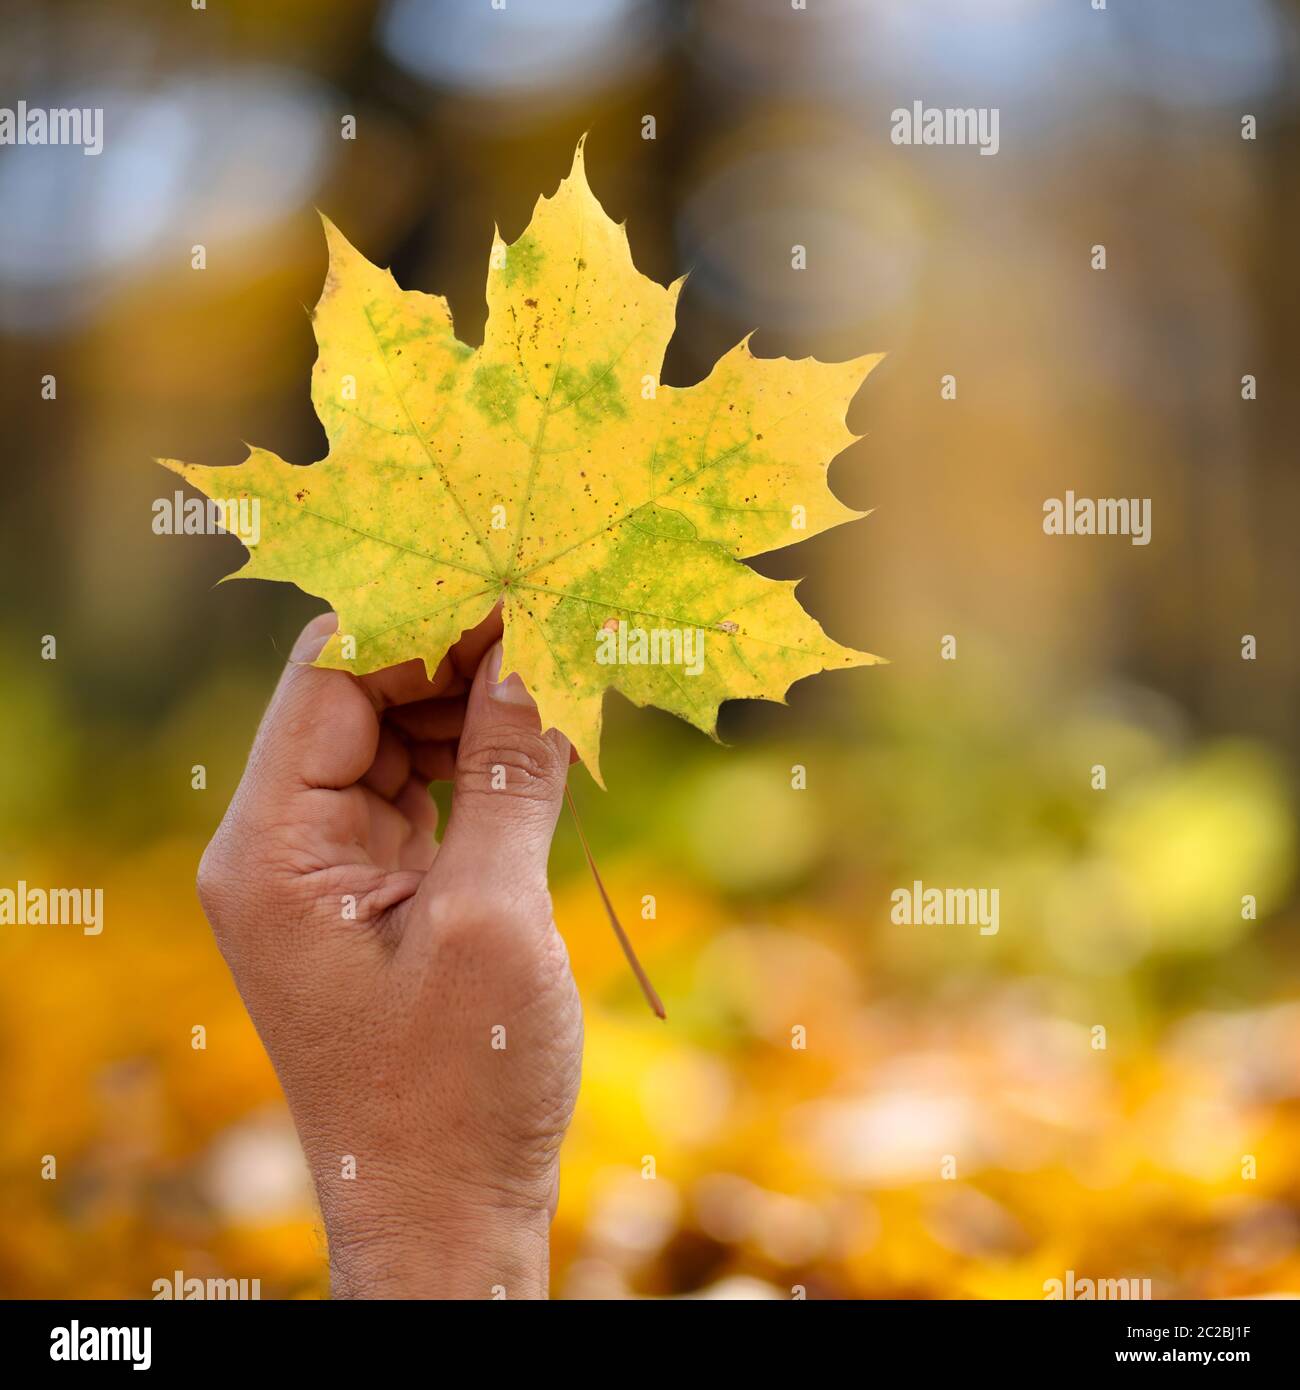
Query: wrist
{"x": 472, "y": 1249}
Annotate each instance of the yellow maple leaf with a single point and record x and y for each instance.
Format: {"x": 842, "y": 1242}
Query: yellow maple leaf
{"x": 551, "y": 472}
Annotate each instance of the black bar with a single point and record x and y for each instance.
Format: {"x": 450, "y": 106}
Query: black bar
{"x": 861, "y": 1339}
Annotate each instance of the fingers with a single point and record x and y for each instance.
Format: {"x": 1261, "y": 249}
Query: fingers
{"x": 415, "y": 803}
{"x": 408, "y": 683}
{"x": 320, "y": 729}
{"x": 399, "y": 832}
{"x": 388, "y": 774}
{"x": 467, "y": 654}
{"x": 434, "y": 762}
{"x": 509, "y": 780}
{"x": 432, "y": 721}
{"x": 400, "y": 685}
{"x": 323, "y": 728}
{"x": 387, "y": 735}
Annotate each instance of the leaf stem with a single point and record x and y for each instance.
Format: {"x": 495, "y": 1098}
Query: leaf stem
{"x": 651, "y": 994}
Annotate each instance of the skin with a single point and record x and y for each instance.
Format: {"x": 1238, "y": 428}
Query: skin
{"x": 381, "y": 1027}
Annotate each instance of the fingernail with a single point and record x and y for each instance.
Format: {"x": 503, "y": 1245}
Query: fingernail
{"x": 311, "y": 640}
{"x": 510, "y": 691}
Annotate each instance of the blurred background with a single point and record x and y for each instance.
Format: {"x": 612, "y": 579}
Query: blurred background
{"x": 775, "y": 1167}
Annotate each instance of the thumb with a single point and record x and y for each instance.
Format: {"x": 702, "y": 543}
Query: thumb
{"x": 508, "y": 786}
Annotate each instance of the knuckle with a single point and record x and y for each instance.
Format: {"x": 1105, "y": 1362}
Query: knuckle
{"x": 227, "y": 871}
{"x": 470, "y": 916}
{"x": 487, "y": 923}
{"x": 529, "y": 767}
{"x": 212, "y": 880}
{"x": 217, "y": 884}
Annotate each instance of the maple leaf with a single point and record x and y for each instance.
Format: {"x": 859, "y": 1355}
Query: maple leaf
{"x": 550, "y": 471}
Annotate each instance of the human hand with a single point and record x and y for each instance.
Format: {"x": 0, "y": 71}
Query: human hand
{"x": 416, "y": 1000}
